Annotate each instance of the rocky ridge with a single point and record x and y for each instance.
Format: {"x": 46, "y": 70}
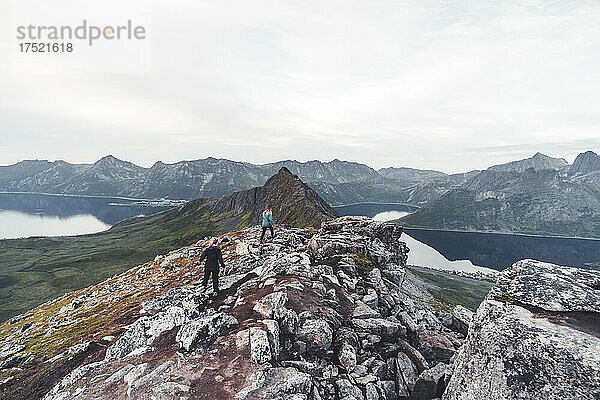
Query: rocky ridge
{"x": 327, "y": 314}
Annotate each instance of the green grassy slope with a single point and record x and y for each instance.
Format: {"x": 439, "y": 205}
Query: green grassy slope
{"x": 35, "y": 270}
{"x": 453, "y": 290}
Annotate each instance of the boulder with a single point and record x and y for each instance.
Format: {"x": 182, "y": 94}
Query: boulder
{"x": 347, "y": 391}
{"x": 277, "y": 383}
{"x": 260, "y": 348}
{"x": 272, "y": 305}
{"x": 430, "y": 383}
{"x": 378, "y": 326}
{"x": 535, "y": 336}
{"x": 406, "y": 370}
{"x": 142, "y": 333}
{"x": 317, "y": 334}
{"x": 347, "y": 356}
{"x": 205, "y": 329}
{"x": 461, "y": 319}
{"x": 361, "y": 310}
{"x": 436, "y": 347}
{"x": 415, "y": 356}
{"x": 387, "y": 390}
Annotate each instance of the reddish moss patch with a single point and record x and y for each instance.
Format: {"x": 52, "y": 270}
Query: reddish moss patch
{"x": 40, "y": 378}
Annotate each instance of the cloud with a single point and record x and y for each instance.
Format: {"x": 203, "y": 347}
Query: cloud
{"x": 450, "y": 86}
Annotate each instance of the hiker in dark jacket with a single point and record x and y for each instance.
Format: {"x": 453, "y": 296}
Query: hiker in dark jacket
{"x": 267, "y": 223}
{"x": 214, "y": 259}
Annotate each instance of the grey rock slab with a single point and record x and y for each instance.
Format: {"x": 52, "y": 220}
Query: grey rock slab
{"x": 347, "y": 356}
{"x": 415, "y": 356}
{"x": 316, "y": 333}
{"x": 461, "y": 319}
{"x": 65, "y": 387}
{"x": 260, "y": 349}
{"x": 205, "y": 329}
{"x": 272, "y": 305}
{"x": 276, "y": 383}
{"x": 371, "y": 392}
{"x": 149, "y": 378}
{"x": 142, "y": 332}
{"x": 387, "y": 390}
{"x": 120, "y": 373}
{"x": 361, "y": 310}
{"x": 513, "y": 353}
{"x": 378, "y": 326}
{"x": 407, "y": 370}
{"x": 549, "y": 286}
{"x": 273, "y": 333}
{"x": 347, "y": 391}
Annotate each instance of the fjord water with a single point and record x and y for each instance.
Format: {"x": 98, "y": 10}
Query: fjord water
{"x": 28, "y": 214}
{"x": 467, "y": 251}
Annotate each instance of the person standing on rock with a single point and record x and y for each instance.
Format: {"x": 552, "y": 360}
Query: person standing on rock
{"x": 267, "y": 223}
{"x": 214, "y": 259}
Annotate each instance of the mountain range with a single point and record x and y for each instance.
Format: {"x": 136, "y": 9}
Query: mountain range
{"x": 538, "y": 195}
{"x": 338, "y": 182}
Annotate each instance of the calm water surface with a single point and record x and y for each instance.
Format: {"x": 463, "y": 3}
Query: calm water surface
{"x": 470, "y": 251}
{"x": 27, "y": 214}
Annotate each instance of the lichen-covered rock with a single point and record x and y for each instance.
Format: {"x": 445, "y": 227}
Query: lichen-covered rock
{"x": 277, "y": 383}
{"x": 142, "y": 333}
{"x": 260, "y": 348}
{"x": 191, "y": 300}
{"x": 406, "y": 370}
{"x": 272, "y": 305}
{"x": 347, "y": 356}
{"x": 461, "y": 318}
{"x": 347, "y": 391}
{"x": 205, "y": 329}
{"x": 317, "y": 334}
{"x": 379, "y": 326}
{"x": 535, "y": 336}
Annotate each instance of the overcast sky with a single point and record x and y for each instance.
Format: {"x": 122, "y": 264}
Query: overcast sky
{"x": 448, "y": 85}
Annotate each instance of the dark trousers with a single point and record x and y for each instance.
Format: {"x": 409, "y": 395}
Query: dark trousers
{"x": 215, "y": 278}
{"x": 264, "y": 230}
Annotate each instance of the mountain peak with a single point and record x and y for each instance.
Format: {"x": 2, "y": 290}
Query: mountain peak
{"x": 292, "y": 201}
{"x": 109, "y": 159}
{"x": 586, "y": 162}
{"x": 537, "y": 162}
{"x": 284, "y": 171}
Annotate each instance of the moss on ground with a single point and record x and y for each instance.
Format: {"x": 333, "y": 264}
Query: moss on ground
{"x": 451, "y": 291}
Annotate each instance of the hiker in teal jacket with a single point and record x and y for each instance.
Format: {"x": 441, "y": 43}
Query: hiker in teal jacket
{"x": 267, "y": 223}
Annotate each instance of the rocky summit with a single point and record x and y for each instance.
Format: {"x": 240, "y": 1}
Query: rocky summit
{"x": 536, "y": 336}
{"x": 313, "y": 314}
{"x": 325, "y": 314}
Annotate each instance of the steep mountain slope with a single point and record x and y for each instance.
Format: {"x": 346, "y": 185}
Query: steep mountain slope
{"x": 545, "y": 201}
{"x": 293, "y": 202}
{"x": 433, "y": 188}
{"x": 35, "y": 270}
